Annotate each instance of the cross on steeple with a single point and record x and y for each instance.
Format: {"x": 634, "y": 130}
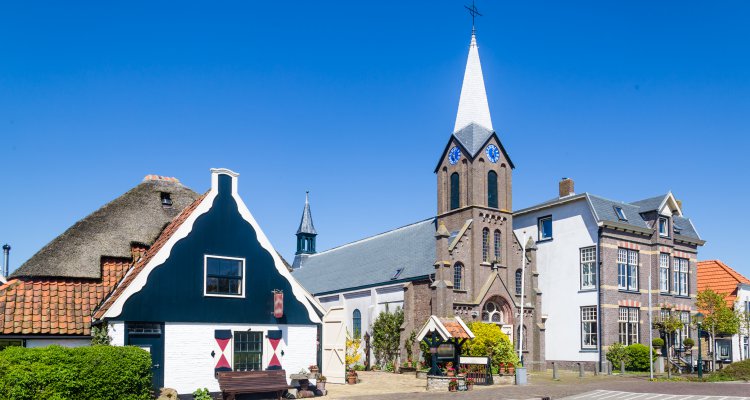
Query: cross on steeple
{"x": 474, "y": 13}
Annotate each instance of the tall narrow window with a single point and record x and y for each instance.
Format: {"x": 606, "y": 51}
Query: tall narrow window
{"x": 680, "y": 276}
{"x": 458, "y": 274}
{"x": 485, "y": 245}
{"x": 357, "y": 324}
{"x": 664, "y": 273}
{"x": 663, "y": 226}
{"x": 492, "y": 189}
{"x": 588, "y": 268}
{"x": 455, "y": 191}
{"x": 588, "y": 327}
{"x": 545, "y": 228}
{"x": 518, "y": 337}
{"x": 498, "y": 246}
{"x": 627, "y": 269}
{"x": 519, "y": 281}
{"x": 248, "y": 351}
{"x": 628, "y": 323}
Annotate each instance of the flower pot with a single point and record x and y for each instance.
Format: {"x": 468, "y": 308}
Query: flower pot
{"x": 450, "y": 373}
{"x": 321, "y": 385}
{"x": 469, "y": 386}
{"x": 351, "y": 378}
{"x": 452, "y": 389}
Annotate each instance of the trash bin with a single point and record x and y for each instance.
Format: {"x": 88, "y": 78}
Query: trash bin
{"x": 521, "y": 377}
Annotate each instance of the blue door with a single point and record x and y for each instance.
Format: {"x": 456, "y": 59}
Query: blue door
{"x": 149, "y": 337}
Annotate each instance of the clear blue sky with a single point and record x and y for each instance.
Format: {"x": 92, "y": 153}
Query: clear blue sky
{"x": 355, "y": 101}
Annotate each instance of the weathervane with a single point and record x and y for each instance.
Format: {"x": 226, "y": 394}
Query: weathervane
{"x": 474, "y": 12}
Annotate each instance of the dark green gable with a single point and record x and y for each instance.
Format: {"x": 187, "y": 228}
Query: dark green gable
{"x": 174, "y": 289}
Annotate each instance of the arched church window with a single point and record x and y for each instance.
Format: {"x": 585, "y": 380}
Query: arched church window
{"x": 519, "y": 283}
{"x": 458, "y": 274}
{"x": 518, "y": 337}
{"x": 492, "y": 189}
{"x": 485, "y": 245}
{"x": 498, "y": 246}
{"x": 493, "y": 312}
{"x": 455, "y": 191}
{"x": 357, "y": 324}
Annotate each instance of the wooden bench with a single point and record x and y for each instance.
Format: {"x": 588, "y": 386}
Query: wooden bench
{"x": 233, "y": 383}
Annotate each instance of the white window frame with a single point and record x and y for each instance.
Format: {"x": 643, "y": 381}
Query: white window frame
{"x": 627, "y": 268}
{"x": 664, "y": 233}
{"x": 588, "y": 260}
{"x": 620, "y": 213}
{"x": 664, "y": 272}
{"x": 541, "y": 230}
{"x": 629, "y": 325}
{"x": 241, "y": 295}
{"x": 589, "y": 317}
{"x": 681, "y": 276}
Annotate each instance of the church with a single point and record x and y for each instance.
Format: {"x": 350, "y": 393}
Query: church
{"x": 465, "y": 261}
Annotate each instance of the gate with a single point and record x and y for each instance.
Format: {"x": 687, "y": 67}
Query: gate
{"x": 334, "y": 345}
{"x": 477, "y": 368}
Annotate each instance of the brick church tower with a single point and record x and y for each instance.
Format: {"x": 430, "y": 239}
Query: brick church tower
{"x": 478, "y": 263}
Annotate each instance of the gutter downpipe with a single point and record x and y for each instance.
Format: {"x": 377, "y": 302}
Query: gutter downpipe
{"x": 599, "y": 297}
{"x": 650, "y": 326}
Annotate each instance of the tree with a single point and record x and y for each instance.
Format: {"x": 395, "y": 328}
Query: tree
{"x": 386, "y": 336}
{"x": 668, "y": 326}
{"x": 718, "y": 317}
{"x": 490, "y": 341}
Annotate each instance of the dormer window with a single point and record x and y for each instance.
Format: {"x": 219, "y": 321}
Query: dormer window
{"x": 166, "y": 199}
{"x": 663, "y": 226}
{"x": 620, "y": 214}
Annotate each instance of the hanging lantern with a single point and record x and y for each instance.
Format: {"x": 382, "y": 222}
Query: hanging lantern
{"x": 278, "y": 303}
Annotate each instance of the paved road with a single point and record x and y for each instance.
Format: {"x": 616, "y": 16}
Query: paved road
{"x": 617, "y": 395}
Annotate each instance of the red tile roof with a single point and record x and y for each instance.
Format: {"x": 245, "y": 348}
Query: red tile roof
{"x": 44, "y": 306}
{"x": 719, "y": 277}
{"x": 455, "y": 329}
{"x": 143, "y": 261}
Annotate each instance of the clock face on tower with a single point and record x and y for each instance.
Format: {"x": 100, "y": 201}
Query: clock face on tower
{"x": 454, "y": 155}
{"x": 493, "y": 153}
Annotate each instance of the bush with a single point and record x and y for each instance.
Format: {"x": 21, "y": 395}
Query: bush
{"x": 688, "y": 343}
{"x": 490, "y": 341}
{"x": 615, "y": 354}
{"x": 639, "y": 357}
{"x": 733, "y": 372}
{"x": 657, "y": 343}
{"x": 58, "y": 373}
{"x": 202, "y": 394}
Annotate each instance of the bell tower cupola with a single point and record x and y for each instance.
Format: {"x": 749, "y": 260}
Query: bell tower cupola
{"x": 306, "y": 232}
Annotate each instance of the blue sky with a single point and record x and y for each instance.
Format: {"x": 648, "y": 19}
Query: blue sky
{"x": 354, "y": 101}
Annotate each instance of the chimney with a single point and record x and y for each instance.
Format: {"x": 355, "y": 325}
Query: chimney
{"x": 6, "y": 255}
{"x": 679, "y": 204}
{"x": 567, "y": 187}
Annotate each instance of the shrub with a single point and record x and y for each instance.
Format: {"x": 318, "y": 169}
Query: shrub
{"x": 733, "y": 372}
{"x": 688, "y": 343}
{"x": 639, "y": 357}
{"x": 615, "y": 354}
{"x": 490, "y": 341}
{"x": 202, "y": 394}
{"x": 657, "y": 343}
{"x": 92, "y": 372}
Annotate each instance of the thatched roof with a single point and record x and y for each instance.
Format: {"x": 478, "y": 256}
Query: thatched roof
{"x": 135, "y": 217}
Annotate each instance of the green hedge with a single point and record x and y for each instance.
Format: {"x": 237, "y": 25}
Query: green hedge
{"x": 59, "y": 373}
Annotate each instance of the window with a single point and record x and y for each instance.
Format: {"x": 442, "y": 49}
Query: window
{"x": 519, "y": 281}
{"x": 248, "y": 351}
{"x": 455, "y": 191}
{"x": 627, "y": 269}
{"x": 493, "y": 313}
{"x": 588, "y": 328}
{"x": 166, "y": 199}
{"x": 663, "y": 227}
{"x": 397, "y": 274}
{"x": 664, "y": 273}
{"x": 588, "y": 268}
{"x": 620, "y": 214}
{"x": 545, "y": 228}
{"x": 628, "y": 325}
{"x": 684, "y": 332}
{"x": 10, "y": 342}
{"x": 518, "y": 337}
{"x": 224, "y": 276}
{"x": 144, "y": 329}
{"x": 746, "y": 346}
{"x": 357, "y": 324}
{"x": 492, "y": 189}
{"x": 485, "y": 245}
{"x": 680, "y": 276}
{"x": 458, "y": 272}
{"x": 498, "y": 247}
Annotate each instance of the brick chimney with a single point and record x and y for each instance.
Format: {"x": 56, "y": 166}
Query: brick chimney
{"x": 567, "y": 187}
{"x": 679, "y": 204}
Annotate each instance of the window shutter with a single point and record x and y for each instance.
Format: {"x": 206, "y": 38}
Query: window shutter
{"x": 274, "y": 339}
{"x": 223, "y": 337}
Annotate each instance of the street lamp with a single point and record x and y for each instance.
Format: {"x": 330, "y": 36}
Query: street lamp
{"x": 699, "y": 321}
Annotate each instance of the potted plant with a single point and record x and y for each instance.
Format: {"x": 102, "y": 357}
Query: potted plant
{"x": 510, "y": 369}
{"x": 501, "y": 368}
{"x": 469, "y": 383}
{"x": 688, "y": 343}
{"x": 314, "y": 369}
{"x": 453, "y": 385}
{"x": 351, "y": 377}
{"x": 321, "y": 382}
{"x": 657, "y": 343}
{"x": 407, "y": 367}
{"x": 449, "y": 370}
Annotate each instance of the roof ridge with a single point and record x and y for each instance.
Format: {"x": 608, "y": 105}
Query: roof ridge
{"x": 611, "y": 200}
{"x": 371, "y": 237}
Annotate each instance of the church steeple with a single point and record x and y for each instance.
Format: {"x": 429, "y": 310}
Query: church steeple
{"x": 472, "y": 105}
{"x": 306, "y": 232}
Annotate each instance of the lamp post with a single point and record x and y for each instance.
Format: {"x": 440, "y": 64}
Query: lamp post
{"x": 699, "y": 321}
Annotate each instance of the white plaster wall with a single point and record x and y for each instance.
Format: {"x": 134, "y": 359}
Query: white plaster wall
{"x": 188, "y": 364}
{"x": 558, "y": 263}
{"x": 59, "y": 342}
{"x": 117, "y": 333}
{"x": 743, "y": 295}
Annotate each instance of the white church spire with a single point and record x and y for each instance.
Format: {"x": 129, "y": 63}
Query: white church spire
{"x": 473, "y": 106}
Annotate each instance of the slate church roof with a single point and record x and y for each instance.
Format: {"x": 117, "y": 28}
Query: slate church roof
{"x": 135, "y": 217}
{"x": 372, "y": 261}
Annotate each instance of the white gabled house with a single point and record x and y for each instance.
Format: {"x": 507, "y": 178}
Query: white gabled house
{"x": 211, "y": 295}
